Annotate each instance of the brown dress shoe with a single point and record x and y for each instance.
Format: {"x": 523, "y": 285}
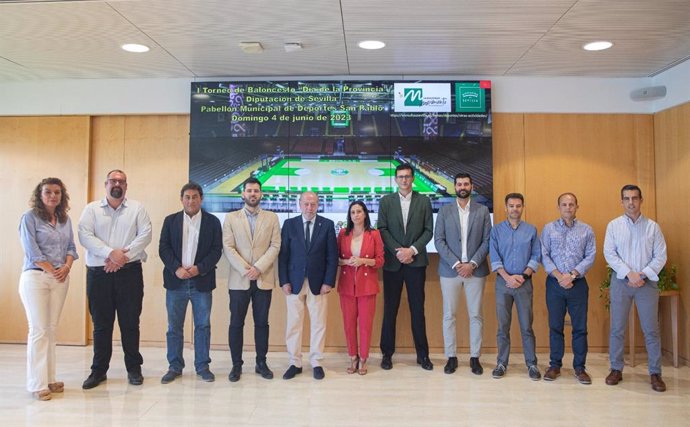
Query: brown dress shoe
{"x": 583, "y": 377}
{"x": 657, "y": 383}
{"x": 552, "y": 373}
{"x": 614, "y": 377}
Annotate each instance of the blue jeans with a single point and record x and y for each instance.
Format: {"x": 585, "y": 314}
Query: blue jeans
{"x": 176, "y": 302}
{"x": 574, "y": 301}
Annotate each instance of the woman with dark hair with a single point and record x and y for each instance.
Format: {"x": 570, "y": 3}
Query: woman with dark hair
{"x": 46, "y": 235}
{"x": 360, "y": 250}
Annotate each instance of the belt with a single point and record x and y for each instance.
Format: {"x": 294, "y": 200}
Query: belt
{"x": 124, "y": 267}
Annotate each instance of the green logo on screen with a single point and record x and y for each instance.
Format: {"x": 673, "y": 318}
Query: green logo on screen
{"x": 470, "y": 99}
{"x": 339, "y": 172}
{"x": 413, "y": 97}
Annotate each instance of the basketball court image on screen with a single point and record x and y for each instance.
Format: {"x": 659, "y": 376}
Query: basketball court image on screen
{"x": 339, "y": 139}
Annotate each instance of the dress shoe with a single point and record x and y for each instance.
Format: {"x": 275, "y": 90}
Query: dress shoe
{"x": 206, "y": 375}
{"x": 552, "y": 373}
{"x": 533, "y": 373}
{"x": 614, "y": 377}
{"x": 135, "y": 378}
{"x": 451, "y": 365}
{"x": 426, "y": 363}
{"x": 475, "y": 366}
{"x": 56, "y": 387}
{"x": 657, "y": 383}
{"x": 582, "y": 376}
{"x": 263, "y": 370}
{"x": 235, "y": 373}
{"x": 387, "y": 362}
{"x": 170, "y": 376}
{"x": 319, "y": 374}
{"x": 291, "y": 372}
{"x": 499, "y": 371}
{"x": 93, "y": 380}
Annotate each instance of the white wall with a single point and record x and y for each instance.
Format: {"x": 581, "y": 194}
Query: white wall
{"x": 171, "y": 96}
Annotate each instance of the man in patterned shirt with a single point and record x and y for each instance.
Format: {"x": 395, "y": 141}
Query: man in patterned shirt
{"x": 568, "y": 248}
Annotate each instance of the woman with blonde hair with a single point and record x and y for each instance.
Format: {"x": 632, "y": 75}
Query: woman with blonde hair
{"x": 46, "y": 235}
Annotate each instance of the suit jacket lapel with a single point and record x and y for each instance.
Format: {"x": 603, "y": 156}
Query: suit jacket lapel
{"x": 456, "y": 217}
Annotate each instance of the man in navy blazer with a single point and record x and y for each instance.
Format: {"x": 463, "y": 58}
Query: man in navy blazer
{"x": 307, "y": 267}
{"x": 191, "y": 244}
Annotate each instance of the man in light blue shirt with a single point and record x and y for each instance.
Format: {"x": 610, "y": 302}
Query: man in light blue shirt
{"x": 515, "y": 251}
{"x": 636, "y": 251}
{"x": 568, "y": 248}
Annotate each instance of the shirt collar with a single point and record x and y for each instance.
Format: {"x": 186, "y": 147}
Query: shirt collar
{"x": 104, "y": 203}
{"x": 405, "y": 198}
{"x": 563, "y": 224}
{"x": 467, "y": 207}
{"x": 192, "y": 218}
{"x": 250, "y": 213}
{"x": 313, "y": 220}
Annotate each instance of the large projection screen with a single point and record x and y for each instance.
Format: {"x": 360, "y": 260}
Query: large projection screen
{"x": 340, "y": 139}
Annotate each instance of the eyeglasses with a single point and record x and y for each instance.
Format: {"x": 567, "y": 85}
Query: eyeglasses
{"x": 403, "y": 177}
{"x": 117, "y": 181}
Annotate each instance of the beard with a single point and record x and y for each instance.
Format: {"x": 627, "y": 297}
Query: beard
{"x": 116, "y": 192}
{"x": 252, "y": 203}
{"x": 463, "y": 194}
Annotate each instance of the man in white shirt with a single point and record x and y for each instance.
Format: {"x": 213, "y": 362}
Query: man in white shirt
{"x": 191, "y": 244}
{"x": 635, "y": 249}
{"x": 115, "y": 231}
{"x": 462, "y": 240}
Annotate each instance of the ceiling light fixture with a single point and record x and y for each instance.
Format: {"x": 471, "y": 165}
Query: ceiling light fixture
{"x": 136, "y": 48}
{"x": 251, "y": 47}
{"x": 371, "y": 44}
{"x": 600, "y": 45}
{"x": 292, "y": 47}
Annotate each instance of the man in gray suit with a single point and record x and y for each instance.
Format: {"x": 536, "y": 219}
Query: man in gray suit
{"x": 462, "y": 240}
{"x": 406, "y": 225}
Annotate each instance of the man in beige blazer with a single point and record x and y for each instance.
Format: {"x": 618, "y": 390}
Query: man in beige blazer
{"x": 251, "y": 241}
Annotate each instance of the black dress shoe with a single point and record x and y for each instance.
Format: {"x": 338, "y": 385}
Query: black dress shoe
{"x": 475, "y": 366}
{"x": 262, "y": 369}
{"x": 451, "y": 366}
{"x": 426, "y": 363}
{"x": 319, "y": 374}
{"x": 135, "y": 378}
{"x": 387, "y": 362}
{"x": 93, "y": 380}
{"x": 291, "y": 372}
{"x": 235, "y": 373}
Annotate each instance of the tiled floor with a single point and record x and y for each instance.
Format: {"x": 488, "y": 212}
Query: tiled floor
{"x": 404, "y": 396}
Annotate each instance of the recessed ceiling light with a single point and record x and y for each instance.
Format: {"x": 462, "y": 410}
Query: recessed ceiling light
{"x": 136, "y": 48}
{"x": 371, "y": 44}
{"x": 600, "y": 45}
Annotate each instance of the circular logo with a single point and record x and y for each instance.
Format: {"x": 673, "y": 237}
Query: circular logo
{"x": 375, "y": 172}
{"x": 339, "y": 172}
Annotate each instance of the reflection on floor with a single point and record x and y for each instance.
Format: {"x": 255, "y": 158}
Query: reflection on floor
{"x": 404, "y": 396}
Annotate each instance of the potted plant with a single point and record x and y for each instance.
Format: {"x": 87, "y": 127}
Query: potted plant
{"x": 667, "y": 282}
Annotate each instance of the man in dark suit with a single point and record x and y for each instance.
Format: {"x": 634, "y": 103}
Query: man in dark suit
{"x": 462, "y": 233}
{"x": 406, "y": 225}
{"x": 190, "y": 246}
{"x": 307, "y": 267}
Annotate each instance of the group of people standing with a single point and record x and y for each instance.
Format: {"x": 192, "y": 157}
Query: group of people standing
{"x": 306, "y": 259}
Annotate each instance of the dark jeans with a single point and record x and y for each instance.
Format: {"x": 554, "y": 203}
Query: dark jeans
{"x": 121, "y": 292}
{"x": 176, "y": 301}
{"x": 573, "y": 301}
{"x": 413, "y": 278}
{"x": 239, "y": 304}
